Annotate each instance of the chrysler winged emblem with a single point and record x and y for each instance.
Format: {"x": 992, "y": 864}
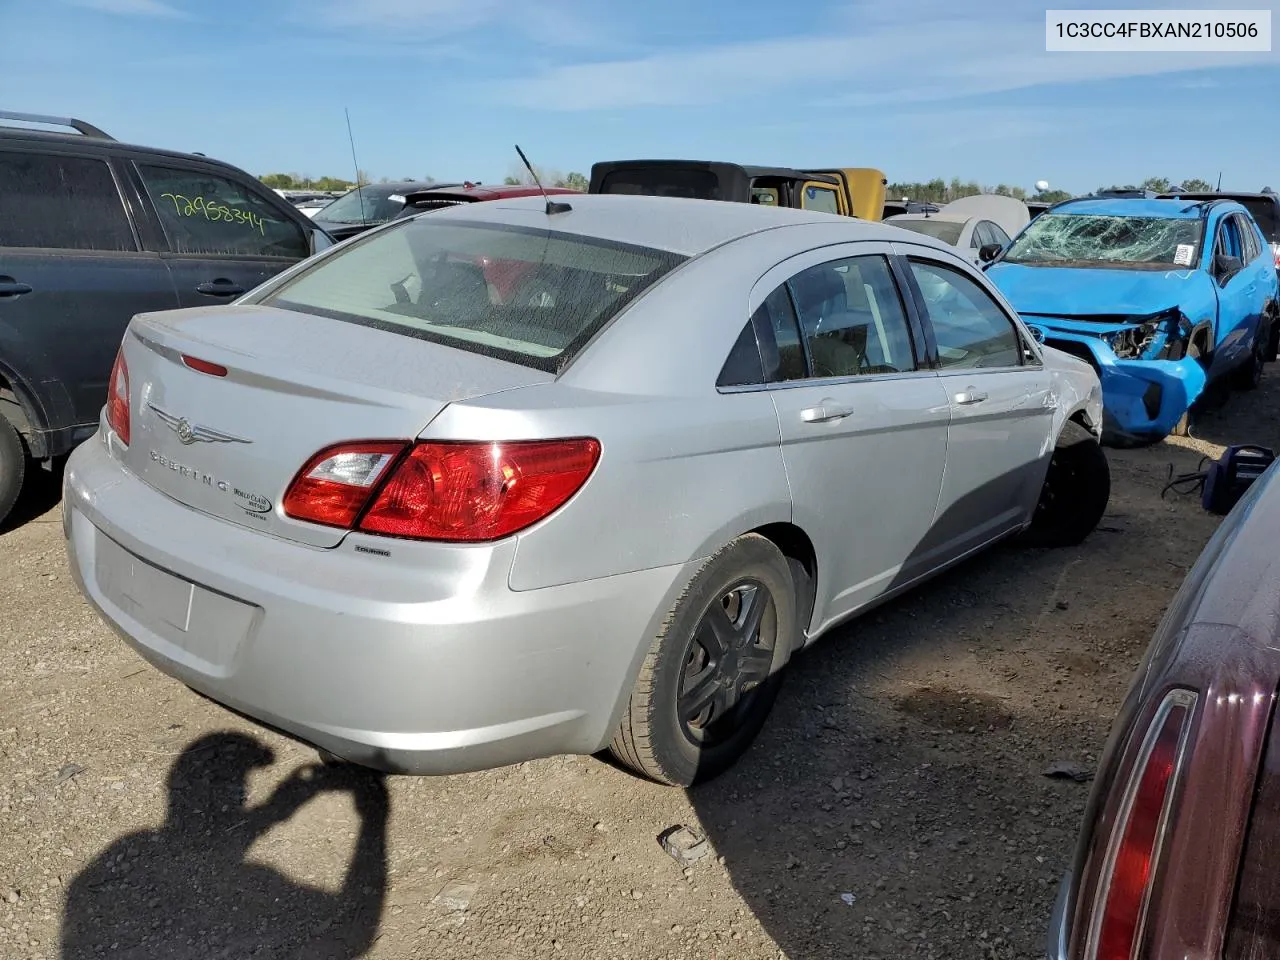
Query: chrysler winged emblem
{"x": 189, "y": 433}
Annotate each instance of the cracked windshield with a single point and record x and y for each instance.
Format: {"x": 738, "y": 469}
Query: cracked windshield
{"x": 1075, "y": 240}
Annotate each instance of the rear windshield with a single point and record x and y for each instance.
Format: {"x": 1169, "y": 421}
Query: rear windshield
{"x": 663, "y": 182}
{"x": 530, "y": 296}
{"x": 1265, "y": 212}
{"x": 368, "y": 204}
{"x": 948, "y": 231}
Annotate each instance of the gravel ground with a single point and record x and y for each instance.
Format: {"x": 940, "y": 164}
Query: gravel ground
{"x": 895, "y": 805}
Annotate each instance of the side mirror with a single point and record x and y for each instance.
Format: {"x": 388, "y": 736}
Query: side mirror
{"x": 989, "y": 251}
{"x": 318, "y": 240}
{"x": 1225, "y": 267}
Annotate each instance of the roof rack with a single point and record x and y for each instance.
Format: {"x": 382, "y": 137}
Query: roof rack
{"x": 84, "y": 129}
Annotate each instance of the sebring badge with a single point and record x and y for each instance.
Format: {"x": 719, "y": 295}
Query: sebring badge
{"x": 189, "y": 433}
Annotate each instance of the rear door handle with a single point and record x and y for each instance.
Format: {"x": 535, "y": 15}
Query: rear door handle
{"x": 970, "y": 396}
{"x": 10, "y": 287}
{"x": 825, "y": 412}
{"x": 220, "y": 288}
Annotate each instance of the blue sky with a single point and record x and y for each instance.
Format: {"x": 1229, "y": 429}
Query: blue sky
{"x": 918, "y": 88}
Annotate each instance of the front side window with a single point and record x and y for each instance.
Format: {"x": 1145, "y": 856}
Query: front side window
{"x": 969, "y": 326}
{"x": 852, "y": 318}
{"x": 206, "y": 214}
{"x": 530, "y": 296}
{"x": 62, "y": 203}
{"x": 1095, "y": 240}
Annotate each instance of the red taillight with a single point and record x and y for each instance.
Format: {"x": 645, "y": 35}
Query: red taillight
{"x": 1124, "y": 887}
{"x": 204, "y": 366}
{"x": 118, "y": 398}
{"x": 461, "y": 492}
{"x": 336, "y": 483}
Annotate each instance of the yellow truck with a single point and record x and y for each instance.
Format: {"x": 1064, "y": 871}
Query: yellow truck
{"x": 848, "y": 191}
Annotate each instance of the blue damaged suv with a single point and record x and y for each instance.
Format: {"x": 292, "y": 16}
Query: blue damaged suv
{"x": 1161, "y": 297}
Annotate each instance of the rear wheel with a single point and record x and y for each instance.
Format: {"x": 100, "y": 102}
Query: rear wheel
{"x": 713, "y": 672}
{"x": 1249, "y": 375}
{"x": 1076, "y": 489}
{"x": 13, "y": 467}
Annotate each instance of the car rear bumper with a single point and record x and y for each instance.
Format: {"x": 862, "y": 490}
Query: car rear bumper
{"x": 1141, "y": 399}
{"x": 438, "y": 668}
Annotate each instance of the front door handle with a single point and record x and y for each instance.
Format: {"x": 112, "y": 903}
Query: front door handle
{"x": 221, "y": 287}
{"x": 970, "y": 396}
{"x": 10, "y": 287}
{"x": 825, "y": 412}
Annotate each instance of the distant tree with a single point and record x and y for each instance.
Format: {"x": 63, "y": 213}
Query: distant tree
{"x": 277, "y": 181}
{"x": 329, "y": 184}
{"x": 1051, "y": 196}
{"x": 511, "y": 181}
{"x": 1158, "y": 184}
{"x": 1196, "y": 185}
{"x": 519, "y": 175}
{"x": 362, "y": 177}
{"x": 574, "y": 181}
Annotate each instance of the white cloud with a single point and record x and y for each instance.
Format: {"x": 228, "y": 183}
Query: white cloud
{"x": 895, "y": 60}
{"x": 133, "y": 8}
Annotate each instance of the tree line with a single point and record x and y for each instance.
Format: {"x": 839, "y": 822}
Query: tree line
{"x": 297, "y": 181}
{"x": 942, "y": 191}
{"x": 937, "y": 190}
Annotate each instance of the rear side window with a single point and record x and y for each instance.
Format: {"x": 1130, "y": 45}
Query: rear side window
{"x": 822, "y": 199}
{"x": 530, "y": 296}
{"x": 1267, "y": 214}
{"x": 64, "y": 203}
{"x": 206, "y": 214}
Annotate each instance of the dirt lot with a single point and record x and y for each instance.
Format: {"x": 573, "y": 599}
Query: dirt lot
{"x": 902, "y": 767}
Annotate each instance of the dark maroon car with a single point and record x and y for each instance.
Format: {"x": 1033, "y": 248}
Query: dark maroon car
{"x": 1178, "y": 855}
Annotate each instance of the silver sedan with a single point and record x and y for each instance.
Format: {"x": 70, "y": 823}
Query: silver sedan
{"x": 507, "y": 480}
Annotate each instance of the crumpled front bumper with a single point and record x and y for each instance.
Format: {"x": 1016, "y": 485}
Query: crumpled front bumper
{"x": 1141, "y": 399}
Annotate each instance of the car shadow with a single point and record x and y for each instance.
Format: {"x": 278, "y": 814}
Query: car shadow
{"x": 186, "y": 891}
{"x": 878, "y": 815}
{"x": 41, "y": 492}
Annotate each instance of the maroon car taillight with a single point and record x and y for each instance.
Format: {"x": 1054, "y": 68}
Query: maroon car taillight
{"x": 464, "y": 492}
{"x": 118, "y": 398}
{"x": 1133, "y": 853}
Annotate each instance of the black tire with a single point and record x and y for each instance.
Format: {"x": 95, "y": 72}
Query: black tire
{"x": 1249, "y": 375}
{"x": 654, "y": 739}
{"x": 13, "y": 467}
{"x": 1183, "y": 427}
{"x": 1076, "y": 489}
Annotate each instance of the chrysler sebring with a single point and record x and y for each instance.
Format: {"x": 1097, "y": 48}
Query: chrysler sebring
{"x": 514, "y": 479}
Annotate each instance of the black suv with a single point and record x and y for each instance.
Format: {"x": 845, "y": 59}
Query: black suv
{"x": 93, "y": 231}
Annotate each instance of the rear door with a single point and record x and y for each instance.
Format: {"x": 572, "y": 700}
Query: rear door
{"x": 1001, "y": 408}
{"x": 72, "y": 274}
{"x": 221, "y": 235}
{"x": 863, "y": 426}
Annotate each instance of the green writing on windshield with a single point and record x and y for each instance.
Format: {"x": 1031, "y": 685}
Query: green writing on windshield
{"x": 214, "y": 211}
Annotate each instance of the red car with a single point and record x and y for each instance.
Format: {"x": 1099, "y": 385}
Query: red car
{"x": 1177, "y": 855}
{"x": 504, "y": 276}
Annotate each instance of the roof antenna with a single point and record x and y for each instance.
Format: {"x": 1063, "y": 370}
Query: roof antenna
{"x": 551, "y": 207}
{"x": 364, "y": 222}
{"x": 1218, "y": 188}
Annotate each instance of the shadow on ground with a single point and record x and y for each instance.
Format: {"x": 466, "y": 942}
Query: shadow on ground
{"x": 186, "y": 892}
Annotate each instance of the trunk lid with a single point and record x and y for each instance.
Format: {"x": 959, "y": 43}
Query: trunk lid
{"x": 295, "y": 383}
